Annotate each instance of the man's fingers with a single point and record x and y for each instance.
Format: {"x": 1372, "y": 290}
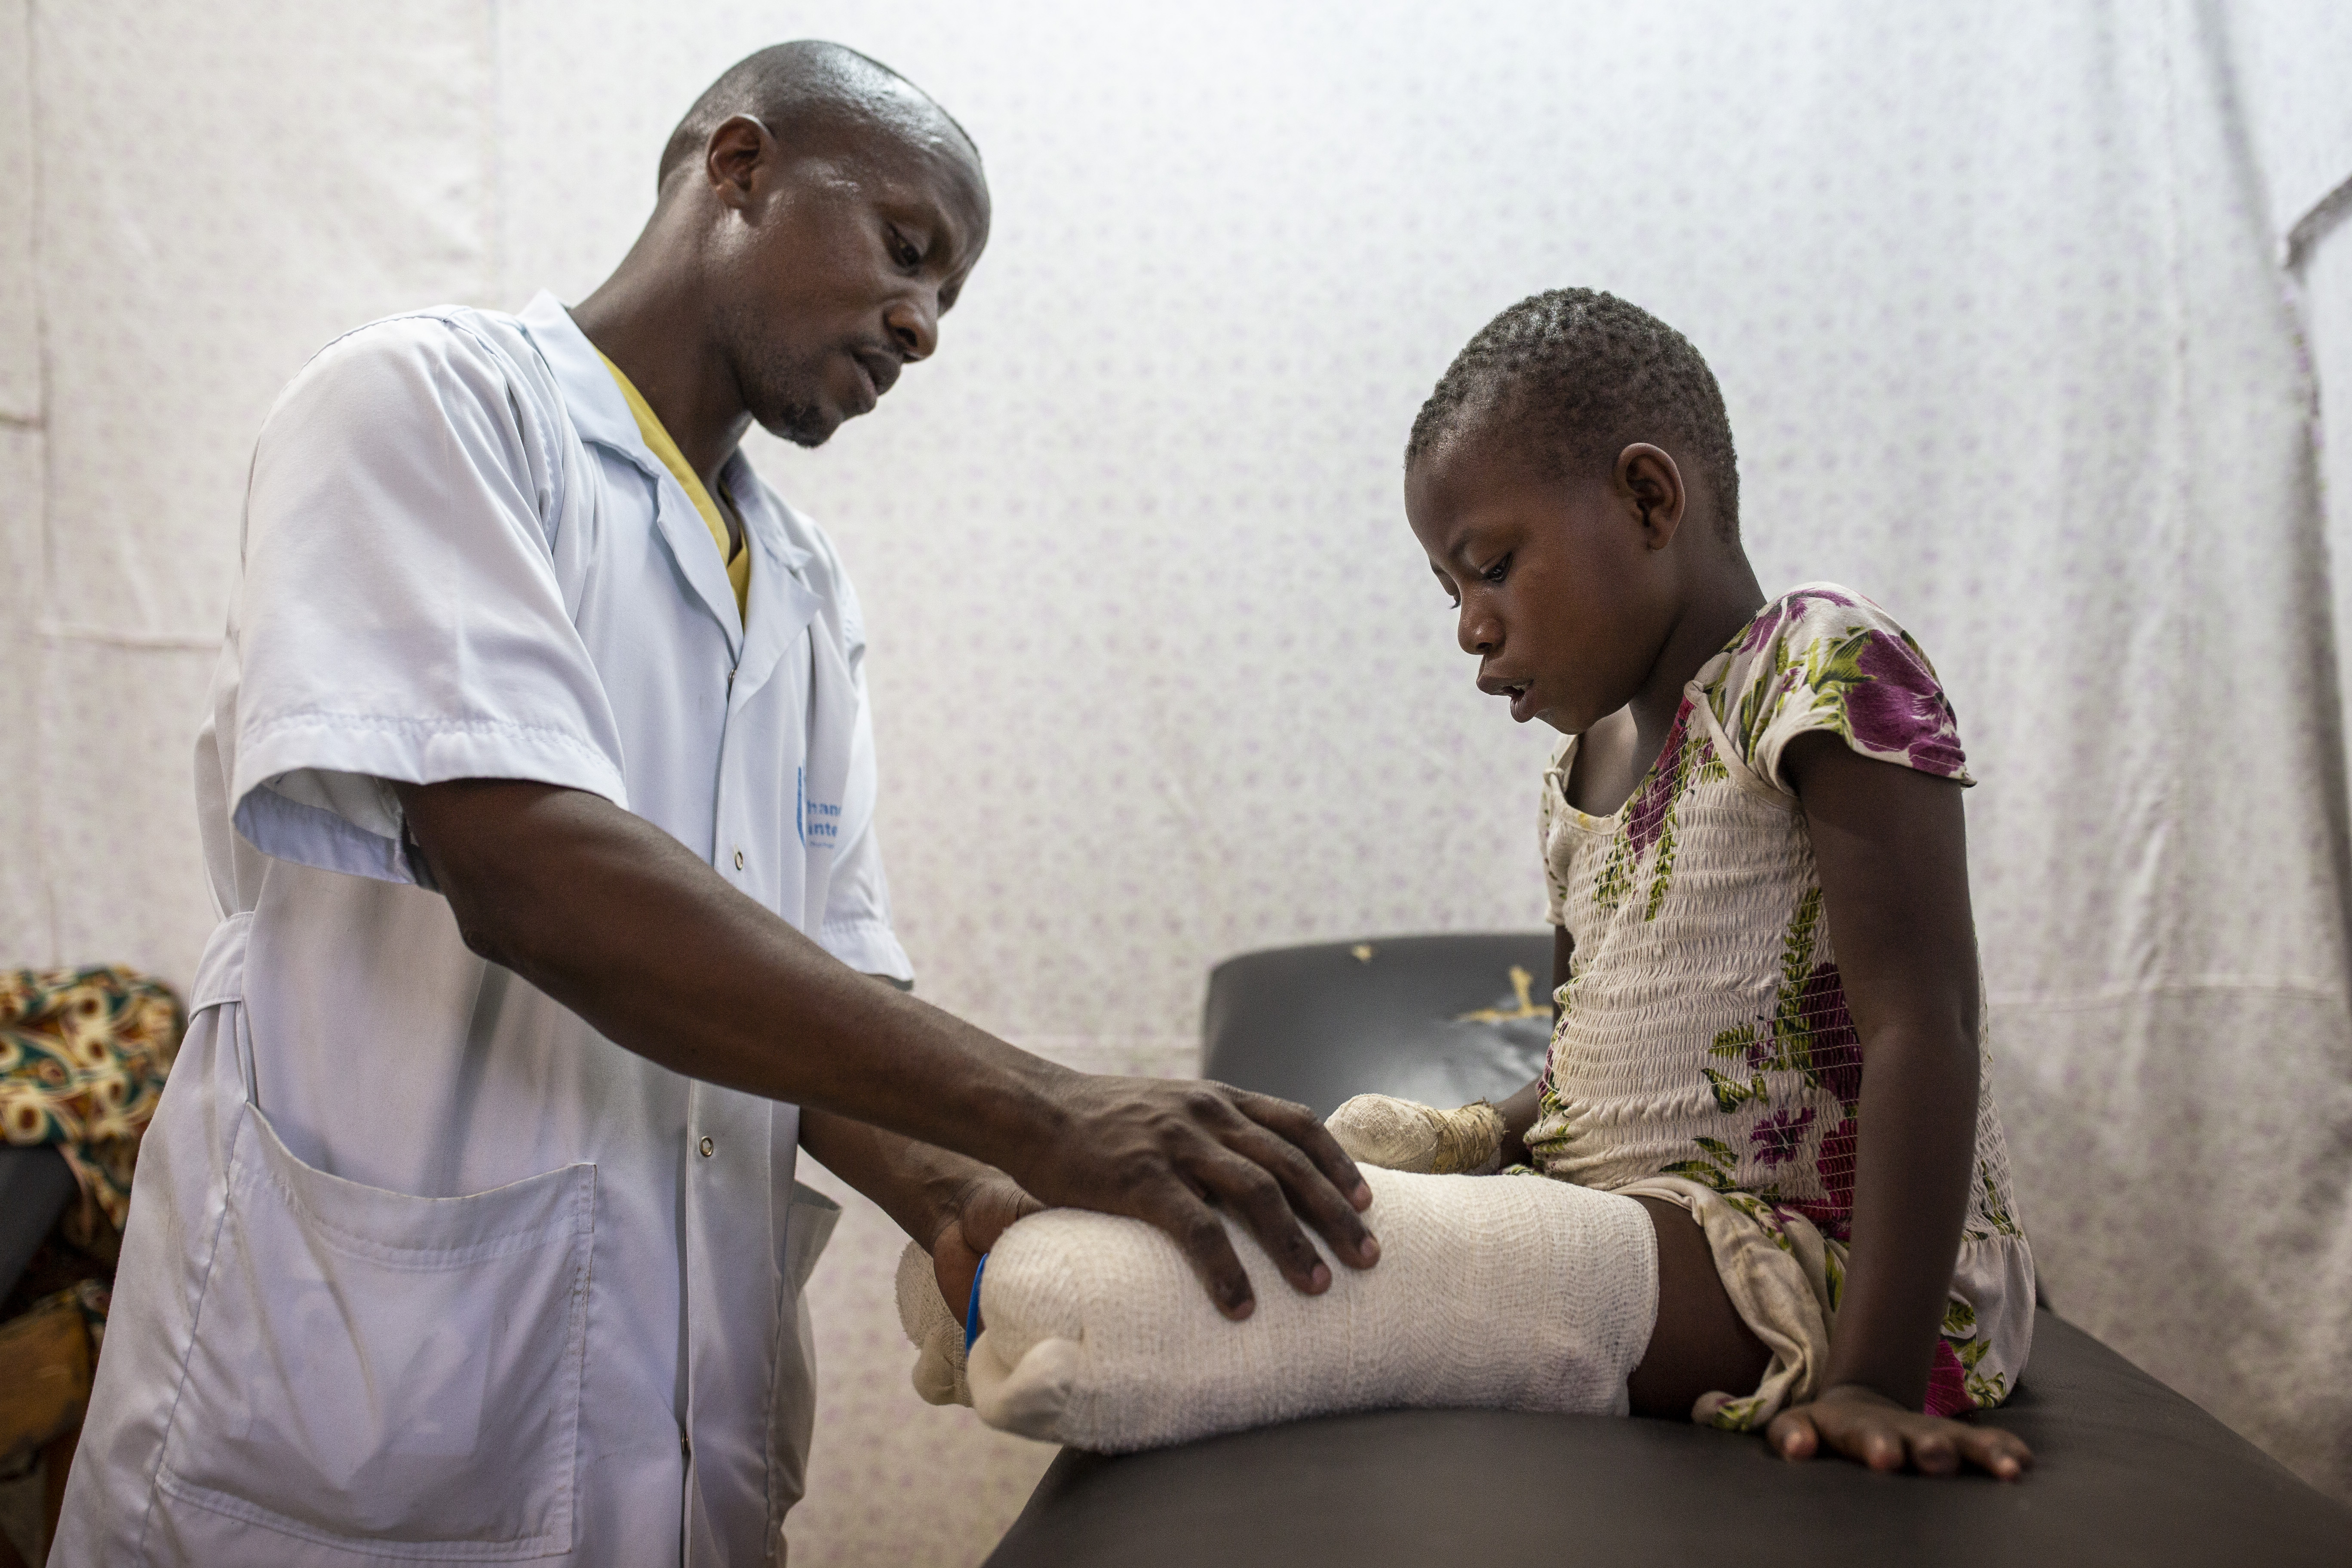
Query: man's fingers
{"x": 992, "y": 1214}
{"x": 1258, "y": 1200}
{"x": 1193, "y": 1225}
{"x": 1304, "y": 1131}
{"x": 1311, "y": 1195}
{"x": 1162, "y": 1151}
{"x": 954, "y": 1264}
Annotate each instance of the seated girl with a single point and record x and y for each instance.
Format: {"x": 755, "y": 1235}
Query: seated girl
{"x": 1761, "y": 1182}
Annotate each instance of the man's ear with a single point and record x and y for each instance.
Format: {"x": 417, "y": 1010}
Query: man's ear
{"x": 734, "y": 152}
{"x": 1653, "y": 486}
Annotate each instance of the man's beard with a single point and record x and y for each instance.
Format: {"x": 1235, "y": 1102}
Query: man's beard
{"x": 778, "y": 395}
{"x": 802, "y": 423}
{"x": 783, "y": 407}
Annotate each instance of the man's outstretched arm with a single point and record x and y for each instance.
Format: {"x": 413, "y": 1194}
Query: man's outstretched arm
{"x": 616, "y": 919}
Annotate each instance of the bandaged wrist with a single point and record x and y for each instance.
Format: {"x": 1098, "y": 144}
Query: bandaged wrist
{"x": 1405, "y": 1135}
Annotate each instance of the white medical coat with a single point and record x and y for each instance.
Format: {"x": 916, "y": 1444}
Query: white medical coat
{"x": 418, "y": 1264}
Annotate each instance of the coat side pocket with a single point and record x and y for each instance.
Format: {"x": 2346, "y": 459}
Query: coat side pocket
{"x": 388, "y": 1375}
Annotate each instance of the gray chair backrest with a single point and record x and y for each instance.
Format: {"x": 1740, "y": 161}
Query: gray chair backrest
{"x": 1440, "y": 1019}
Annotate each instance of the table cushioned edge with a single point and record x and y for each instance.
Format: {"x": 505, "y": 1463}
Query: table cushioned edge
{"x": 2129, "y": 1472}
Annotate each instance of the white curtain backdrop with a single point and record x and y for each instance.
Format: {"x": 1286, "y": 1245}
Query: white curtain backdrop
{"x": 2027, "y": 313}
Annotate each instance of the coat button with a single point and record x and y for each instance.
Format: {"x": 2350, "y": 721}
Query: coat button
{"x": 707, "y": 1147}
{"x": 739, "y": 860}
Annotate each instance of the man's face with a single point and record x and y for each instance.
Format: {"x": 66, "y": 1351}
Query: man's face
{"x": 835, "y": 273}
{"x": 1563, "y": 604}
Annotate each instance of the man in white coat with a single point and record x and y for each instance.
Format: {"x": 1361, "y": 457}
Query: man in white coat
{"x": 537, "y": 796}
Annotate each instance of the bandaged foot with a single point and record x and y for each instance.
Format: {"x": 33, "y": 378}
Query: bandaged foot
{"x": 1508, "y": 1293}
{"x": 1403, "y": 1135}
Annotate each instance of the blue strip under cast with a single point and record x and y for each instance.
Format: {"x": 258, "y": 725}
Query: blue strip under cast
{"x": 971, "y": 1309}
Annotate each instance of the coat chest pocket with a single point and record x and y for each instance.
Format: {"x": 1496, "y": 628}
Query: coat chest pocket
{"x": 388, "y": 1375}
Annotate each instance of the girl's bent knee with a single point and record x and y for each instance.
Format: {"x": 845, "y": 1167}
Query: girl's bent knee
{"x": 1700, "y": 1345}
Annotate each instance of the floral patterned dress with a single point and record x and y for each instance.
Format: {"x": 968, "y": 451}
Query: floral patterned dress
{"x": 1703, "y": 1051}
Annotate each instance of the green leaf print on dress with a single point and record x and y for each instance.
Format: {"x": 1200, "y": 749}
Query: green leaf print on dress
{"x": 1718, "y": 1166}
{"x": 1994, "y": 1207}
{"x": 1685, "y": 761}
{"x": 1785, "y": 1043}
{"x": 1984, "y": 1389}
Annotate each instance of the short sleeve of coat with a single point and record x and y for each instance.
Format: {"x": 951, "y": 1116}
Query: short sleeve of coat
{"x": 1824, "y": 658}
{"x": 399, "y": 617}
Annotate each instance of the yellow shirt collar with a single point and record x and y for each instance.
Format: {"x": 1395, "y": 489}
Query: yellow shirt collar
{"x": 739, "y": 564}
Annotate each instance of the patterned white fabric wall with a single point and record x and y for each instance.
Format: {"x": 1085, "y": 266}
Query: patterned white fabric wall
{"x": 24, "y": 899}
{"x": 214, "y": 201}
{"x": 1993, "y": 293}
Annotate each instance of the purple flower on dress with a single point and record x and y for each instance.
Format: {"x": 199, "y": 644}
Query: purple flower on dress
{"x": 1647, "y": 819}
{"x": 1947, "y": 1384}
{"x": 1834, "y": 1050}
{"x": 1760, "y": 629}
{"x": 1779, "y": 1134}
{"x": 1791, "y": 608}
{"x": 1898, "y": 706}
{"x": 1834, "y": 1210}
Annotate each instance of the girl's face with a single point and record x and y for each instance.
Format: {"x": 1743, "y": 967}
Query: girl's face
{"x": 1565, "y": 588}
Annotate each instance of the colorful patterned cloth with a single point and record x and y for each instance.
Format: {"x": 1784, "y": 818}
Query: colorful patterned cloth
{"x": 83, "y": 1053}
{"x": 1704, "y": 1052}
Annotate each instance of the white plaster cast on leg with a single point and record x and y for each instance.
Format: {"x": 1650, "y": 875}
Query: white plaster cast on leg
{"x": 1514, "y": 1293}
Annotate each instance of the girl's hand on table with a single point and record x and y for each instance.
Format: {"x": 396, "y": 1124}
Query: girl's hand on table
{"x": 1865, "y": 1425}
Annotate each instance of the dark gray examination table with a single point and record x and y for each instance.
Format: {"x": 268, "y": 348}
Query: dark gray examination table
{"x": 2129, "y": 1471}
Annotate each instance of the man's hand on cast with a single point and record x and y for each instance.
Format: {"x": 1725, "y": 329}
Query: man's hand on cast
{"x": 1173, "y": 1154}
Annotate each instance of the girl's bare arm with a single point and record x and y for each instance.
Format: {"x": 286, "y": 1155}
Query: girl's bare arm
{"x": 1892, "y": 848}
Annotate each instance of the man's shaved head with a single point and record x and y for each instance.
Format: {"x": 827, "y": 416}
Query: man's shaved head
{"x": 796, "y": 87}
{"x": 817, "y": 214}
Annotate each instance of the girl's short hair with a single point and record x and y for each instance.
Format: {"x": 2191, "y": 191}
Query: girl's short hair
{"x": 1578, "y": 375}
